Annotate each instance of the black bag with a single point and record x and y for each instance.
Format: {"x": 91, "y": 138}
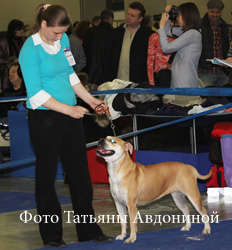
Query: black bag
{"x": 163, "y": 77}
{"x": 215, "y": 154}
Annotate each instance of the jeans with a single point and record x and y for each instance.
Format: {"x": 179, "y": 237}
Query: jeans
{"x": 212, "y": 79}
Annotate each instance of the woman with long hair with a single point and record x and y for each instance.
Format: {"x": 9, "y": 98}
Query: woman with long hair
{"x": 55, "y": 125}
{"x": 81, "y": 29}
{"x": 187, "y": 46}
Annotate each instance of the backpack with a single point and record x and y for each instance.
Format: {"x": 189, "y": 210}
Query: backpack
{"x": 218, "y": 177}
{"x": 215, "y": 153}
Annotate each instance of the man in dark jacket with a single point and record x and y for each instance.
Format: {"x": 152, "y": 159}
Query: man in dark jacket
{"x": 129, "y": 47}
{"x": 97, "y": 44}
{"x": 215, "y": 43}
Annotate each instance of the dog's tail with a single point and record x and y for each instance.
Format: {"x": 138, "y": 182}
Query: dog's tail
{"x": 203, "y": 177}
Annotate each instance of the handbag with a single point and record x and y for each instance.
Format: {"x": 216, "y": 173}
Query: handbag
{"x": 163, "y": 77}
{"x": 215, "y": 153}
{"x": 218, "y": 177}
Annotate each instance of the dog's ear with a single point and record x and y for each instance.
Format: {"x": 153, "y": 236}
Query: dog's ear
{"x": 128, "y": 147}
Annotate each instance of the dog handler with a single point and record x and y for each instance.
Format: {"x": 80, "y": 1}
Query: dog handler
{"x": 55, "y": 125}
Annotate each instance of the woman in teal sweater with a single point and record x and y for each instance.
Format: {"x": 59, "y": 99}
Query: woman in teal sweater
{"x": 55, "y": 124}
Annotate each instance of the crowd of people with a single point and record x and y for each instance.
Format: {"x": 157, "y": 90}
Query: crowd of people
{"x": 136, "y": 50}
{"x": 43, "y": 61}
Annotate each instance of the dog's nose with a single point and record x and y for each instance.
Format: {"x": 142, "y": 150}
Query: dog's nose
{"x": 100, "y": 141}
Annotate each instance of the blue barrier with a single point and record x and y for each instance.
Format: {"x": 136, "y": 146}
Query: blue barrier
{"x": 229, "y": 105}
{"x": 179, "y": 91}
{"x": 17, "y": 163}
{"x": 171, "y": 91}
{"x": 166, "y": 91}
{"x": 12, "y": 99}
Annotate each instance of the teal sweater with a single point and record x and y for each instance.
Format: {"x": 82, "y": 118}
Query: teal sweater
{"x": 43, "y": 71}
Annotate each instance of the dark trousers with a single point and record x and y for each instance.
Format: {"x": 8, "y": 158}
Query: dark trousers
{"x": 55, "y": 135}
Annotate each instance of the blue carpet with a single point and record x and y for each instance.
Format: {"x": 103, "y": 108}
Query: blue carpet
{"x": 15, "y": 201}
{"x": 170, "y": 239}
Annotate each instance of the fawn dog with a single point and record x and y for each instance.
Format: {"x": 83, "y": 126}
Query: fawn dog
{"x": 133, "y": 184}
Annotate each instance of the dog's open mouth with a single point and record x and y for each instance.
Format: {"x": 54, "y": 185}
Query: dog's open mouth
{"x": 104, "y": 152}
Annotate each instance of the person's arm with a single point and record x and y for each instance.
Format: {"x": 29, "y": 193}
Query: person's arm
{"x": 81, "y": 62}
{"x": 173, "y": 31}
{"x": 185, "y": 39}
{"x": 29, "y": 61}
{"x": 73, "y": 111}
{"x": 151, "y": 59}
{"x": 165, "y": 23}
{"x": 30, "y": 65}
{"x": 229, "y": 59}
{"x": 82, "y": 93}
{"x": 3, "y": 51}
{"x": 78, "y": 53}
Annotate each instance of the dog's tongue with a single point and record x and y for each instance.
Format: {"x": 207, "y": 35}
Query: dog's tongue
{"x": 104, "y": 151}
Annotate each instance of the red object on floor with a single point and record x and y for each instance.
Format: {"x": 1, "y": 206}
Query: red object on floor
{"x": 218, "y": 177}
{"x": 98, "y": 166}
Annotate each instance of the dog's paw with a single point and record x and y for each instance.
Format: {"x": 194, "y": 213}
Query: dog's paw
{"x": 185, "y": 228}
{"x": 206, "y": 231}
{"x": 121, "y": 237}
{"x": 130, "y": 240}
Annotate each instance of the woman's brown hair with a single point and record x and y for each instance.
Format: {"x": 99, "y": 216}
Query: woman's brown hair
{"x": 190, "y": 15}
{"x": 54, "y": 15}
{"x": 82, "y": 28}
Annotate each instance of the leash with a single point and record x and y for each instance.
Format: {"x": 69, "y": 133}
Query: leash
{"x": 102, "y": 107}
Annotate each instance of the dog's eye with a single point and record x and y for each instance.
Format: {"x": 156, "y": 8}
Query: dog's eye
{"x": 112, "y": 141}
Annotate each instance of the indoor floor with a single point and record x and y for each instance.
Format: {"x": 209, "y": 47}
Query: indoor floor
{"x": 17, "y": 196}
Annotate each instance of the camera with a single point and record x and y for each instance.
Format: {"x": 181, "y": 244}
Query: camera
{"x": 172, "y": 14}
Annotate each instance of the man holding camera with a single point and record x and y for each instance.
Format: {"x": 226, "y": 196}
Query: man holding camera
{"x": 215, "y": 42}
{"x": 129, "y": 47}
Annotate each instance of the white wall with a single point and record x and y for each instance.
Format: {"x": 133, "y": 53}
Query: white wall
{"x": 25, "y": 10}
{"x": 91, "y": 8}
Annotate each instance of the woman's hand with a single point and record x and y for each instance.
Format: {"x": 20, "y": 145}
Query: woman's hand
{"x": 168, "y": 8}
{"x": 164, "y": 20}
{"x": 229, "y": 59}
{"x": 77, "y": 111}
{"x": 73, "y": 111}
{"x": 93, "y": 102}
{"x": 102, "y": 108}
{"x": 99, "y": 106}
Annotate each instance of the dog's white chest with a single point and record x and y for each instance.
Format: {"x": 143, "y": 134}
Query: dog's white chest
{"x": 119, "y": 194}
